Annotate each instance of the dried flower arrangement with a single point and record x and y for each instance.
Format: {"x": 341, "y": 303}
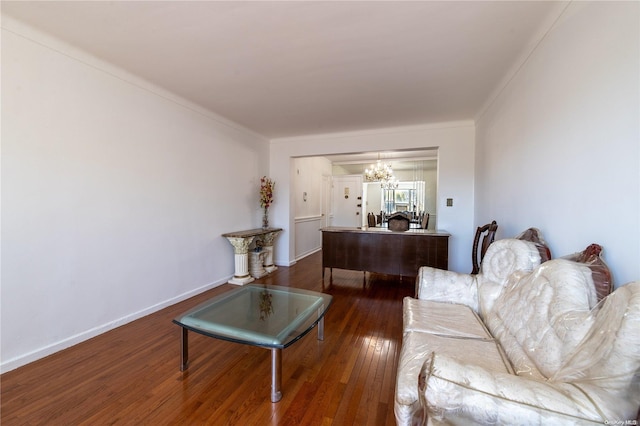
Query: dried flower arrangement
{"x": 266, "y": 198}
{"x": 266, "y": 192}
{"x": 266, "y": 304}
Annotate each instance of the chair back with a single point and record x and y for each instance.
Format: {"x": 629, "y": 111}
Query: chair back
{"x": 371, "y": 220}
{"x": 425, "y": 221}
{"x": 488, "y": 235}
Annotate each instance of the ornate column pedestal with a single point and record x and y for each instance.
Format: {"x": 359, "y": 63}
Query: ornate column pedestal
{"x": 266, "y": 242}
{"x": 241, "y": 241}
{"x": 256, "y": 261}
{"x": 241, "y": 257}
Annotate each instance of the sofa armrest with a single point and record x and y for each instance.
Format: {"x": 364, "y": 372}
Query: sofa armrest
{"x": 456, "y": 393}
{"x": 440, "y": 285}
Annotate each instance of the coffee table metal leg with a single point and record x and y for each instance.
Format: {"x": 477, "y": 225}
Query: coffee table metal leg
{"x": 276, "y": 374}
{"x": 184, "y": 356}
{"x": 321, "y": 324}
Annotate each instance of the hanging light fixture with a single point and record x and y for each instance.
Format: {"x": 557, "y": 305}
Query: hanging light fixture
{"x": 391, "y": 183}
{"x": 381, "y": 172}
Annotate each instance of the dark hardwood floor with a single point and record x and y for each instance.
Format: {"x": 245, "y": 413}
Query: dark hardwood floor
{"x": 131, "y": 375}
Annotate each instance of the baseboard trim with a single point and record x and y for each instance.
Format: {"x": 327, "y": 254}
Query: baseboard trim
{"x": 309, "y": 253}
{"x": 27, "y": 358}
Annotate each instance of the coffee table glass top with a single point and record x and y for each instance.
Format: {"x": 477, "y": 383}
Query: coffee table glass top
{"x": 261, "y": 315}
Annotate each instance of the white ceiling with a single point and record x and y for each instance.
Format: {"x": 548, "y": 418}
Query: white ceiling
{"x": 295, "y": 68}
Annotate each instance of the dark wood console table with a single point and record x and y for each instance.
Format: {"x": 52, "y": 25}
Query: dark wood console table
{"x": 384, "y": 251}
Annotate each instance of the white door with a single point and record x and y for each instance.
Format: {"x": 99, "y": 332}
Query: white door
{"x": 347, "y": 201}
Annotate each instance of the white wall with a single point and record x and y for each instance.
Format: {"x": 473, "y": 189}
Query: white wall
{"x": 308, "y": 179}
{"x": 114, "y": 196}
{"x": 559, "y": 148}
{"x": 455, "y": 143}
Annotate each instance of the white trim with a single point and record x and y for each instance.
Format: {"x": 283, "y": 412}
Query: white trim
{"x": 24, "y": 359}
{"x": 24, "y": 30}
{"x": 377, "y": 132}
{"x": 301, "y": 219}
{"x": 552, "y": 19}
{"x": 309, "y": 253}
{"x": 286, "y": 264}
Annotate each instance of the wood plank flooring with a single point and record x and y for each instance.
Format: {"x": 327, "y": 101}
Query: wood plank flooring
{"x": 131, "y": 375}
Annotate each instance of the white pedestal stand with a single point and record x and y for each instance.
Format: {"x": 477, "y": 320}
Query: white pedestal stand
{"x": 266, "y": 241}
{"x": 256, "y": 259}
{"x": 241, "y": 241}
{"x": 241, "y": 250}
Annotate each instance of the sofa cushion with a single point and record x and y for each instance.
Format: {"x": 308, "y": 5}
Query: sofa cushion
{"x": 503, "y": 258}
{"x": 592, "y": 257}
{"x": 598, "y": 382}
{"x": 440, "y": 285}
{"x": 606, "y": 364}
{"x": 542, "y": 316}
{"x": 506, "y": 256}
{"x": 417, "y": 346}
{"x": 445, "y": 319}
{"x": 458, "y": 394}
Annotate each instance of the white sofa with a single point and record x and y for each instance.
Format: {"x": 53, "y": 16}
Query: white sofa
{"x": 519, "y": 343}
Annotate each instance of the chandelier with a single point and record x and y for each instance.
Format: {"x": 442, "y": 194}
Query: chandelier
{"x": 392, "y": 183}
{"x": 381, "y": 172}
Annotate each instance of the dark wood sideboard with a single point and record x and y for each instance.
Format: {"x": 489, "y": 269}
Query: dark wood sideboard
{"x": 384, "y": 251}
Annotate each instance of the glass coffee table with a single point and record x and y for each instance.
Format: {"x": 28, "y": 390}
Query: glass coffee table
{"x": 268, "y": 316}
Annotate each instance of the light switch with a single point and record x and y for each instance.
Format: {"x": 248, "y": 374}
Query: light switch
{"x": 449, "y": 202}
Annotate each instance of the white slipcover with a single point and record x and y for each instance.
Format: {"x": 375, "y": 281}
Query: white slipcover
{"x": 568, "y": 360}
